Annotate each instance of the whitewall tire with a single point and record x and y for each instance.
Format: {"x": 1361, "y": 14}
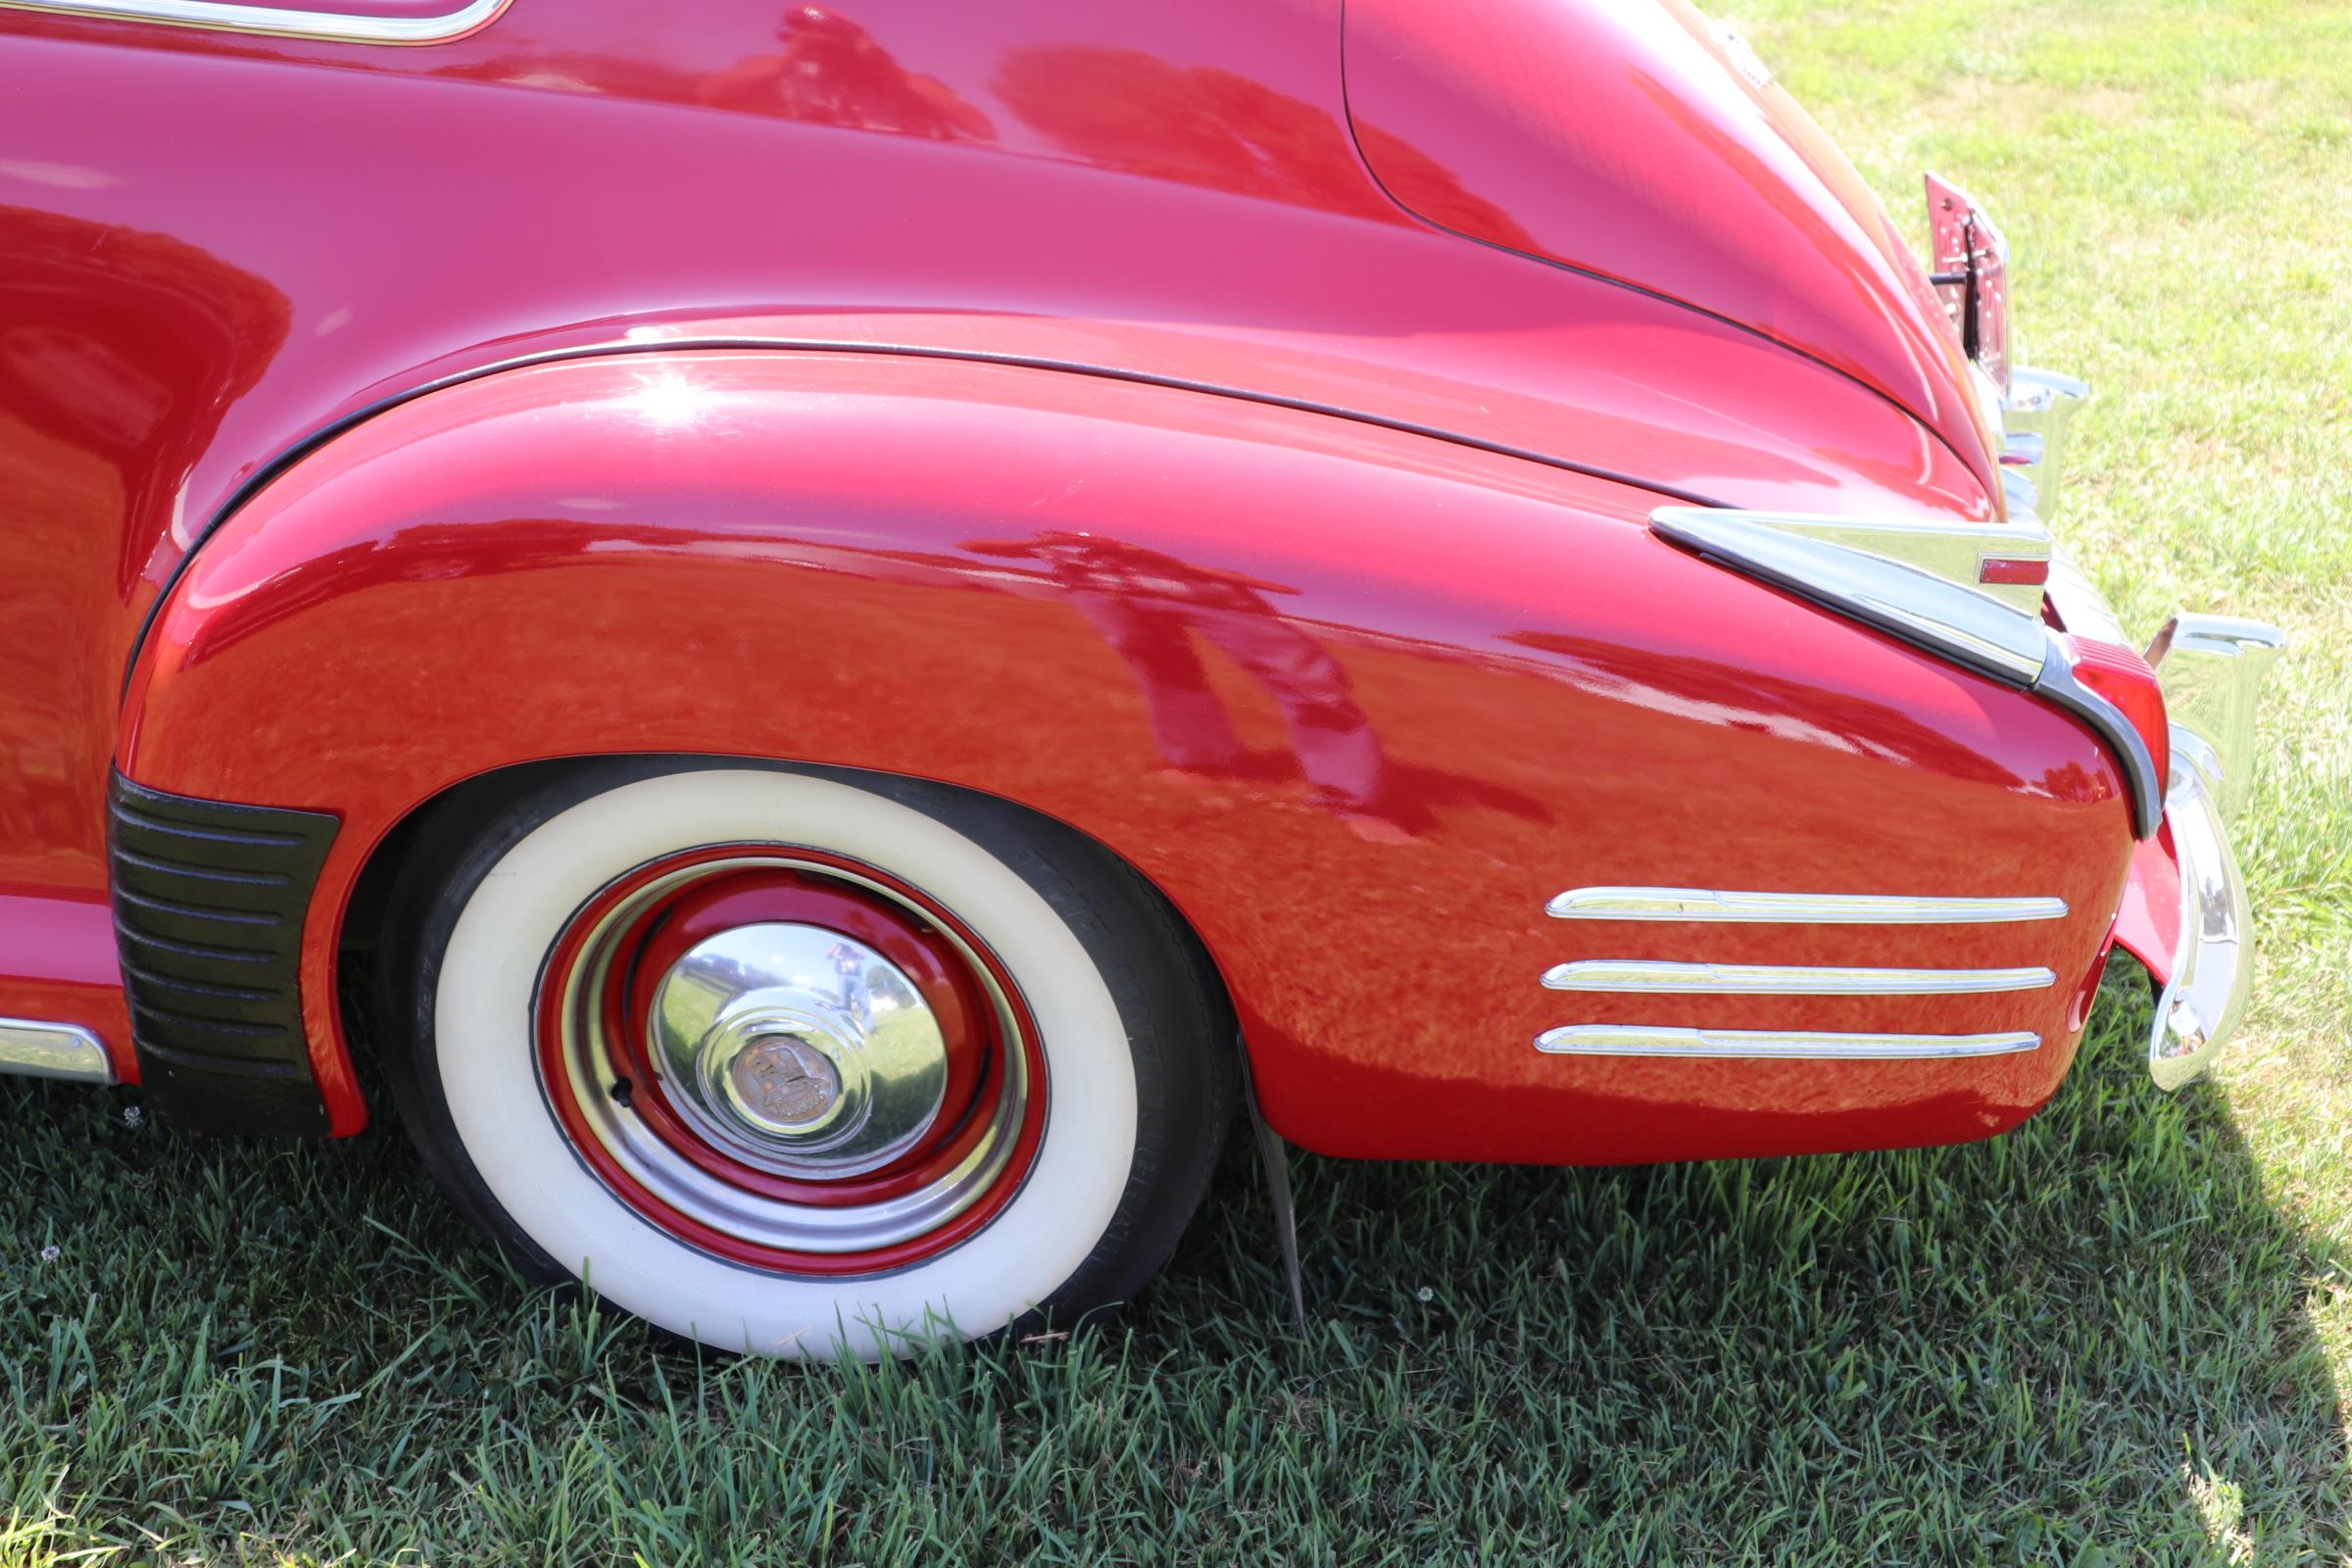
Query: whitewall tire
{"x": 797, "y": 1062}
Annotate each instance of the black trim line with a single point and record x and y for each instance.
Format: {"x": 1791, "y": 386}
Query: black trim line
{"x": 210, "y": 901}
{"x": 309, "y": 443}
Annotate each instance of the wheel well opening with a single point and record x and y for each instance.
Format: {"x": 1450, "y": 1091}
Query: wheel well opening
{"x": 361, "y": 935}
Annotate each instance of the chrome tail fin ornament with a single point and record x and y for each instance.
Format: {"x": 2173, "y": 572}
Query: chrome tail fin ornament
{"x": 1937, "y": 586}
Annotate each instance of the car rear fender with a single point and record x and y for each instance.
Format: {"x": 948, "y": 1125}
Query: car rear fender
{"x": 1362, "y": 703}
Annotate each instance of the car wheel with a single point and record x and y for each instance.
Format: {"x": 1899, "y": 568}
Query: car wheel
{"x": 802, "y": 1062}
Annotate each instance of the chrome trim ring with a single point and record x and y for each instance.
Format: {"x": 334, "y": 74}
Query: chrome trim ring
{"x": 748, "y": 1216}
{"x": 1622, "y": 1040}
{"x": 34, "y": 1050}
{"x": 1825, "y": 908}
{"x": 1763, "y": 979}
{"x": 275, "y": 21}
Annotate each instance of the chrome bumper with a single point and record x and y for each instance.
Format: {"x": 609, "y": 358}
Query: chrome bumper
{"x": 2212, "y": 669}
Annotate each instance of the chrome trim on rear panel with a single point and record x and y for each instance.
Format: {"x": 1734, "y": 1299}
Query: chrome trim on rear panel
{"x": 2000, "y": 638}
{"x": 35, "y": 1049}
{"x": 1624, "y": 1040}
{"x": 1826, "y": 908}
{"x": 278, "y": 22}
{"x": 1965, "y": 624}
{"x": 1944, "y": 548}
{"x": 1764, "y": 979}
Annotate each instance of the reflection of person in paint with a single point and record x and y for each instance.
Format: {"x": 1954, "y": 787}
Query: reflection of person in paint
{"x": 831, "y": 72}
{"x": 1144, "y": 604}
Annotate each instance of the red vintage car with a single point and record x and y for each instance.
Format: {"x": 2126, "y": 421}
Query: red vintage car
{"x": 837, "y": 624}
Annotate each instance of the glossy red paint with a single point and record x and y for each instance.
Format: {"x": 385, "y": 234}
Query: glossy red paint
{"x": 1359, "y": 700}
{"x": 1448, "y": 685}
{"x": 220, "y": 243}
{"x": 1667, "y": 165}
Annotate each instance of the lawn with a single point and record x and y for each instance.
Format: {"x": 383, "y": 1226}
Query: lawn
{"x": 2120, "y": 1334}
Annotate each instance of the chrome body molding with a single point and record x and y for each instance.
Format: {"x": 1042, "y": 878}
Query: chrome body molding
{"x": 1954, "y": 551}
{"x": 275, "y": 21}
{"x": 1632, "y": 1040}
{"x": 1820, "y": 909}
{"x": 1964, "y": 625}
{"x": 34, "y": 1050}
{"x": 1763, "y": 979}
{"x": 2212, "y": 669}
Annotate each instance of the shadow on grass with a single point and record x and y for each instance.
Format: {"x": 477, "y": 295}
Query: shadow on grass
{"x": 2090, "y": 1333}
{"x": 2086, "y": 1335}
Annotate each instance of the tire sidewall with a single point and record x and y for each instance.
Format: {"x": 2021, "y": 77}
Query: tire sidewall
{"x": 475, "y": 1065}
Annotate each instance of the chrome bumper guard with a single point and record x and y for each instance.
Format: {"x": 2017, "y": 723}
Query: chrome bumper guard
{"x": 2211, "y": 669}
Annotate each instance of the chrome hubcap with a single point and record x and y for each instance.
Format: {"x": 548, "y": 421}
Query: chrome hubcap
{"x": 796, "y": 1052}
{"x": 803, "y": 1051}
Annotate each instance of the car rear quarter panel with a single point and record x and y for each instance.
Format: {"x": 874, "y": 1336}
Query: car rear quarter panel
{"x": 1358, "y": 701}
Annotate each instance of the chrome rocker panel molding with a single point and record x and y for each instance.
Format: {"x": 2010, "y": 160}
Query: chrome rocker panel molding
{"x": 1818, "y": 909}
{"x": 330, "y": 27}
{"x": 1763, "y": 979}
{"x": 2212, "y": 669}
{"x": 1624, "y": 1040}
{"x": 34, "y": 1050}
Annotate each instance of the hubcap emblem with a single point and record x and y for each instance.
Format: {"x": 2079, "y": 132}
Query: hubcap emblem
{"x": 783, "y": 1081}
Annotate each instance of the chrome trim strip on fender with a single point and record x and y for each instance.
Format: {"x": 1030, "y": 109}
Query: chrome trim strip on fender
{"x": 1911, "y": 600}
{"x": 1764, "y": 979}
{"x": 1628, "y": 1039}
{"x": 1947, "y": 549}
{"x": 1824, "y": 909}
{"x": 331, "y": 27}
{"x": 1904, "y": 597}
{"x": 34, "y": 1050}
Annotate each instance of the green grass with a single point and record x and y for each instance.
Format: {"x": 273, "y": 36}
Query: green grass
{"x": 2117, "y": 1335}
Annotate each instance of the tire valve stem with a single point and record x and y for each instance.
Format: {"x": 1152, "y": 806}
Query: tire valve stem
{"x": 622, "y": 1091}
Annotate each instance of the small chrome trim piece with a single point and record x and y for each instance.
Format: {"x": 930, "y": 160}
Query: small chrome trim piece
{"x": 276, "y": 21}
{"x": 35, "y": 1049}
{"x": 1821, "y": 909}
{"x": 2212, "y": 669}
{"x": 2036, "y": 409}
{"x": 1764, "y": 979}
{"x": 1631, "y": 1040}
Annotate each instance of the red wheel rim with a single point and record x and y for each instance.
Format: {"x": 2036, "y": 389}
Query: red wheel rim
{"x": 646, "y": 1131}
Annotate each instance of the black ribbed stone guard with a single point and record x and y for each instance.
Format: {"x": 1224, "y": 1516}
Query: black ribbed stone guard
{"x": 209, "y": 906}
